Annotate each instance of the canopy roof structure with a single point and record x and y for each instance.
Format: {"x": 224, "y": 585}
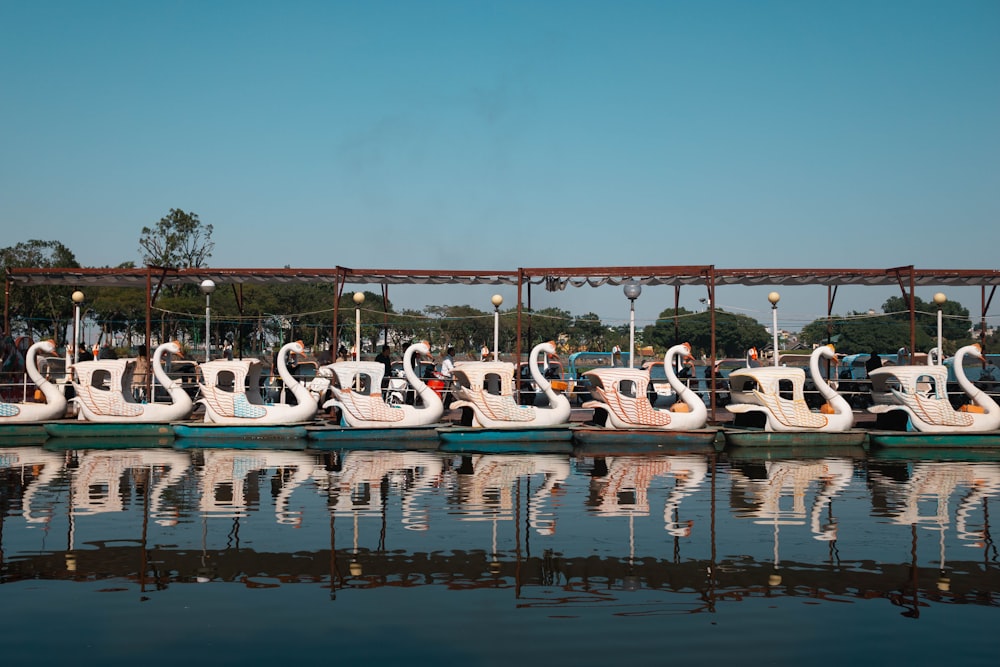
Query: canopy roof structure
{"x": 553, "y": 278}
{"x": 152, "y": 278}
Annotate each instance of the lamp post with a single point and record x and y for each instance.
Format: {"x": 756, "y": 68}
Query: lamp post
{"x": 774, "y": 298}
{"x": 939, "y": 299}
{"x": 496, "y": 301}
{"x": 632, "y": 292}
{"x": 77, "y": 301}
{"x": 359, "y": 298}
{"x": 207, "y": 286}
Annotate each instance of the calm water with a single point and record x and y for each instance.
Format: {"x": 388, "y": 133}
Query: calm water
{"x": 159, "y": 556}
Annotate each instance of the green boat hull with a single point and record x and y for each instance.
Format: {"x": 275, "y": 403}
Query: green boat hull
{"x": 230, "y": 432}
{"x": 83, "y": 429}
{"x": 810, "y": 439}
{"x": 334, "y": 437}
{"x": 597, "y": 441}
{"x": 536, "y": 440}
{"x": 271, "y": 444}
{"x": 131, "y": 442}
{"x": 937, "y": 441}
{"x": 22, "y": 431}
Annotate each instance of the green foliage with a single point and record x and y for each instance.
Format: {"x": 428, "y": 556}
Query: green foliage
{"x": 860, "y": 333}
{"x": 588, "y": 332}
{"x": 39, "y": 311}
{"x": 465, "y": 327}
{"x": 734, "y": 333}
{"x": 955, "y": 323}
{"x": 542, "y": 325}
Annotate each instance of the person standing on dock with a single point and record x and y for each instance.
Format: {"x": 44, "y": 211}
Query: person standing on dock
{"x": 874, "y": 361}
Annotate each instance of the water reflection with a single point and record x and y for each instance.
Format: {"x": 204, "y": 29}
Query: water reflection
{"x": 553, "y": 530}
{"x": 929, "y": 497}
{"x": 776, "y": 496}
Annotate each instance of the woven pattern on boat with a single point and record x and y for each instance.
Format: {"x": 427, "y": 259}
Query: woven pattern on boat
{"x": 106, "y": 403}
{"x": 794, "y": 413}
{"x": 937, "y": 411}
{"x": 226, "y": 404}
{"x": 500, "y": 408}
{"x": 9, "y": 410}
{"x": 636, "y": 409}
{"x": 369, "y": 407}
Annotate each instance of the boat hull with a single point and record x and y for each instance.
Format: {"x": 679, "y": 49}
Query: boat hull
{"x": 23, "y": 433}
{"x": 810, "y": 439}
{"x": 595, "y": 441}
{"x": 270, "y": 444}
{"x": 106, "y": 430}
{"x": 537, "y": 439}
{"x": 118, "y": 442}
{"x": 331, "y": 436}
{"x": 938, "y": 441}
{"x": 207, "y": 431}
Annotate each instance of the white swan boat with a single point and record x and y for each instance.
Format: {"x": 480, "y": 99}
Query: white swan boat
{"x": 777, "y": 394}
{"x": 228, "y": 401}
{"x": 104, "y": 391}
{"x": 621, "y": 402}
{"x": 484, "y": 393}
{"x": 357, "y": 394}
{"x": 55, "y": 403}
{"x": 920, "y": 393}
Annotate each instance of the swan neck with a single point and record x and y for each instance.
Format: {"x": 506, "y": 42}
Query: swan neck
{"x": 536, "y": 374}
{"x": 31, "y": 367}
{"x": 286, "y": 376}
{"x": 972, "y": 391}
{"x": 824, "y": 387}
{"x": 411, "y": 377}
{"x": 156, "y": 366}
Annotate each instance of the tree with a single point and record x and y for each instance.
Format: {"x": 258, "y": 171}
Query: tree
{"x": 179, "y": 240}
{"x": 859, "y": 333}
{"x": 464, "y": 327}
{"x": 588, "y": 332}
{"x": 542, "y": 325}
{"x": 955, "y": 324}
{"x": 43, "y": 310}
{"x": 734, "y": 334}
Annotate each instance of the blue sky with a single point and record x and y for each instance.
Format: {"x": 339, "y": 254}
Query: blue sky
{"x": 493, "y": 135}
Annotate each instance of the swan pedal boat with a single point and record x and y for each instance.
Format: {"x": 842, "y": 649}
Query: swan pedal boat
{"x": 789, "y": 422}
{"x": 493, "y": 421}
{"x": 235, "y": 414}
{"x": 624, "y": 418}
{"x": 919, "y": 393}
{"x": 366, "y": 420}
